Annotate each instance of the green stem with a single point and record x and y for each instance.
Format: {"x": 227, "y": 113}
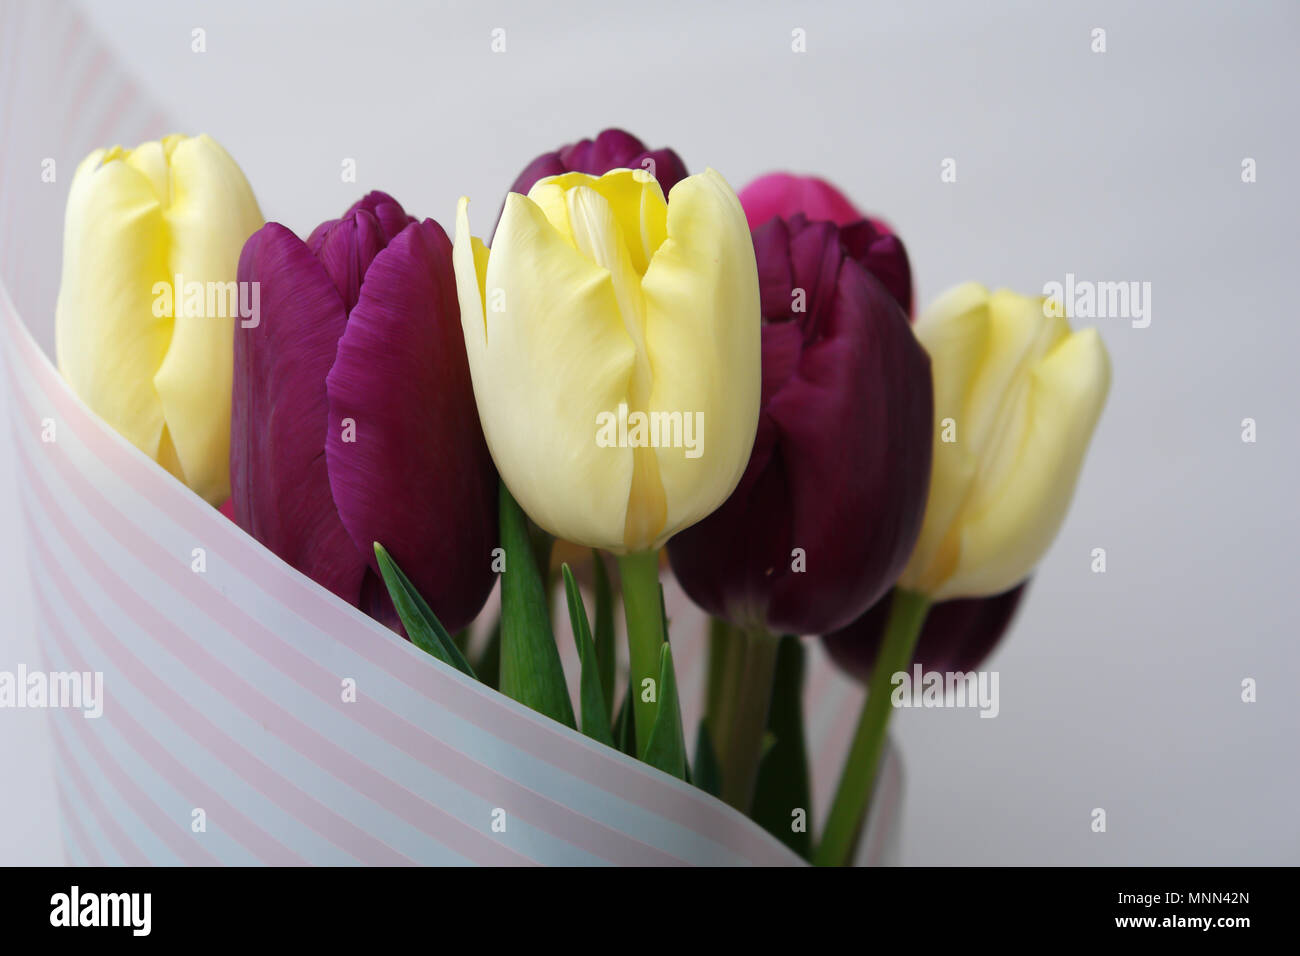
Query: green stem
{"x": 604, "y": 629}
{"x": 722, "y": 636}
{"x": 741, "y": 744}
{"x": 906, "y": 615}
{"x": 542, "y": 543}
{"x": 645, "y": 636}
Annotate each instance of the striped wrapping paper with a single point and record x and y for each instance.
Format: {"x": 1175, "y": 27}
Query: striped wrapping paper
{"x": 224, "y": 689}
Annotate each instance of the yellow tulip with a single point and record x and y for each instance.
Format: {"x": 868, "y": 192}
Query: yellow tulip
{"x": 1017, "y": 395}
{"x": 613, "y": 340}
{"x": 152, "y": 360}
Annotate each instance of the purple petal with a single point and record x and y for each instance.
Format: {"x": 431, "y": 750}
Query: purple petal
{"x": 855, "y": 422}
{"x": 347, "y": 246}
{"x": 870, "y": 241}
{"x": 884, "y": 256}
{"x": 548, "y": 164}
{"x": 417, "y": 476}
{"x": 279, "y": 484}
{"x": 775, "y": 271}
{"x": 784, "y": 194}
{"x": 611, "y": 149}
{"x": 816, "y": 257}
{"x": 668, "y": 167}
{"x": 957, "y": 635}
{"x": 841, "y": 462}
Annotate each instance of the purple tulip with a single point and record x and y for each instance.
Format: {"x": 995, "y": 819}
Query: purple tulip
{"x": 611, "y": 149}
{"x": 871, "y": 241}
{"x": 957, "y": 635}
{"x": 353, "y": 417}
{"x": 830, "y": 505}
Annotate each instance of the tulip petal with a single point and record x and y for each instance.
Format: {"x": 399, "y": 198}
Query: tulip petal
{"x": 957, "y": 636}
{"x": 955, "y": 333}
{"x": 279, "y": 481}
{"x": 635, "y": 203}
{"x": 724, "y": 561}
{"x": 346, "y": 246}
{"x": 210, "y": 214}
{"x": 966, "y": 630}
{"x": 884, "y": 256}
{"x": 1019, "y": 335}
{"x": 775, "y": 270}
{"x": 857, "y": 505}
{"x": 549, "y": 355}
{"x": 109, "y": 341}
{"x": 611, "y": 149}
{"x": 413, "y": 471}
{"x": 784, "y": 195}
{"x": 1010, "y": 524}
{"x": 703, "y": 342}
{"x": 617, "y": 149}
{"x": 548, "y": 164}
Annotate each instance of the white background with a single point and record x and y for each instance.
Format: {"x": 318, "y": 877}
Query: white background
{"x": 1119, "y": 691}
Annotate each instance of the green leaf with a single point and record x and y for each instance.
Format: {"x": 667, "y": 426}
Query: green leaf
{"x": 595, "y": 715}
{"x": 605, "y": 652}
{"x": 530, "y": 662}
{"x": 707, "y": 774}
{"x": 422, "y": 625}
{"x": 782, "y": 786}
{"x": 667, "y": 747}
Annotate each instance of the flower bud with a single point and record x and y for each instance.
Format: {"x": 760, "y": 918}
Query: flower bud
{"x": 613, "y": 338}
{"x": 148, "y": 302}
{"x": 831, "y": 501}
{"x": 1017, "y": 396}
{"x": 611, "y": 149}
{"x": 354, "y": 418}
{"x": 957, "y": 636}
{"x": 868, "y": 240}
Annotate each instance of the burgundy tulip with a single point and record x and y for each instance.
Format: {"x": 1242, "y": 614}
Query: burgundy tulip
{"x": 871, "y": 241}
{"x": 841, "y": 461}
{"x": 353, "y": 417}
{"x": 957, "y": 635}
{"x": 611, "y": 149}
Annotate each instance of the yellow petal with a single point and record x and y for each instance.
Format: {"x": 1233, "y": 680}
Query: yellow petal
{"x": 109, "y": 342}
{"x": 703, "y": 341}
{"x": 150, "y": 160}
{"x": 135, "y": 219}
{"x": 1019, "y": 335}
{"x": 598, "y": 235}
{"x": 1011, "y": 524}
{"x": 555, "y": 355}
{"x": 469, "y": 258}
{"x": 211, "y": 214}
{"x": 955, "y": 333}
{"x": 635, "y": 201}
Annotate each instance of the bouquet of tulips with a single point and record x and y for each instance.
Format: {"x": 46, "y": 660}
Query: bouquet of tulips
{"x": 638, "y": 362}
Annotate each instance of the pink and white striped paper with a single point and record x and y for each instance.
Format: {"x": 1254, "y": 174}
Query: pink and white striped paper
{"x": 224, "y": 689}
